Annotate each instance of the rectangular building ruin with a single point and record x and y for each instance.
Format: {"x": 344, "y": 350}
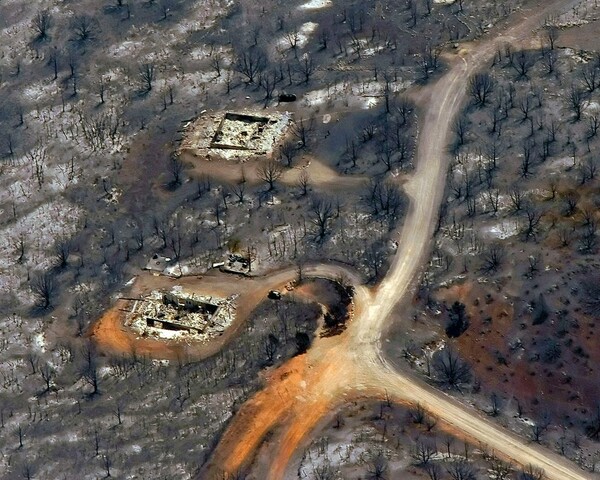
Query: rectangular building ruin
{"x": 176, "y": 311}
{"x": 240, "y": 132}
{"x": 234, "y": 134}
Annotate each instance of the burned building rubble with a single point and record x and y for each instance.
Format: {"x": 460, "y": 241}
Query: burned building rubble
{"x": 177, "y": 314}
{"x": 234, "y": 135}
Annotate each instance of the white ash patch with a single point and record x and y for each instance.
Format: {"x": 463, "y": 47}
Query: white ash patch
{"x": 39, "y": 90}
{"x": 39, "y": 342}
{"x": 319, "y": 97}
{"x": 560, "y": 164}
{"x": 13, "y": 43}
{"x": 504, "y": 229}
{"x": 273, "y": 200}
{"x": 527, "y": 421}
{"x": 371, "y": 51}
{"x": 125, "y": 48}
{"x": 136, "y": 449}
{"x": 204, "y": 16}
{"x": 591, "y": 107}
{"x": 40, "y": 228}
{"x": 339, "y": 453}
{"x": 444, "y": 456}
{"x": 369, "y": 102}
{"x": 301, "y": 36}
{"x": 315, "y": 5}
{"x": 83, "y": 288}
{"x": 177, "y": 270}
{"x": 114, "y": 74}
{"x": 576, "y": 56}
{"x": 206, "y": 52}
{"x": 59, "y": 177}
{"x": 193, "y": 84}
{"x": 363, "y": 95}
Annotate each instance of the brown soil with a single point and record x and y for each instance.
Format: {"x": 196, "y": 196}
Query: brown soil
{"x": 336, "y": 369}
{"x": 491, "y": 322}
{"x": 584, "y": 37}
{"x": 231, "y": 171}
{"x": 112, "y": 336}
{"x": 341, "y": 367}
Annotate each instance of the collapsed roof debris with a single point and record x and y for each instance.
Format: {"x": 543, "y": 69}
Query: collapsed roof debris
{"x": 180, "y": 314}
{"x": 234, "y": 135}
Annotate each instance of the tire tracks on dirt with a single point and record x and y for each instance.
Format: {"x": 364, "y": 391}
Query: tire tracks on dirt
{"x": 336, "y": 369}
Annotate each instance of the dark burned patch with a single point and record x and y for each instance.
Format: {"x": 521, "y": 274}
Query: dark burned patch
{"x": 336, "y": 300}
{"x": 336, "y": 318}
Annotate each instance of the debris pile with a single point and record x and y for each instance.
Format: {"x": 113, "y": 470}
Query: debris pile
{"x": 235, "y": 263}
{"x": 180, "y": 314}
{"x": 234, "y": 135}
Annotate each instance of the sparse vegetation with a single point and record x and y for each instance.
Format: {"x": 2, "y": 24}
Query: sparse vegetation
{"x": 101, "y": 198}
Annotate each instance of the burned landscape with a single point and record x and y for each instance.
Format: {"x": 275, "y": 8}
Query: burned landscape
{"x": 325, "y": 239}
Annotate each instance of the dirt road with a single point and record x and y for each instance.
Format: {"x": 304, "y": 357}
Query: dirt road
{"x": 111, "y": 336}
{"x": 351, "y": 365}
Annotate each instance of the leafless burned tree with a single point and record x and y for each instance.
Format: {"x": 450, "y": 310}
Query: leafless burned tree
{"x": 434, "y": 471}
{"x": 43, "y": 287}
{"x": 322, "y": 213}
{"x": 592, "y": 428}
{"x": 268, "y": 81}
{"x": 19, "y": 245}
{"x": 576, "y": 98}
{"x": 590, "y": 75}
{"x": 531, "y": 473}
{"x": 84, "y": 29}
{"x": 461, "y": 470}
{"x": 147, "y": 76}
{"x": 384, "y": 199}
{"x": 176, "y": 168}
{"x": 460, "y": 129}
{"x": 41, "y": 23}
{"x": 269, "y": 171}
{"x": 481, "y": 85}
{"x": 306, "y": 66}
{"x": 522, "y": 62}
{"x": 451, "y": 370}
{"x": 378, "y": 467}
{"x": 62, "y": 250}
{"x": 288, "y": 151}
{"x": 499, "y": 469}
{"x": 216, "y": 62}
{"x": 303, "y": 182}
{"x": 423, "y": 452}
{"x": 250, "y": 63}
{"x": 551, "y": 32}
{"x": 533, "y": 219}
{"x": 493, "y": 257}
{"x": 90, "y": 369}
{"x": 48, "y": 374}
{"x": 302, "y": 130}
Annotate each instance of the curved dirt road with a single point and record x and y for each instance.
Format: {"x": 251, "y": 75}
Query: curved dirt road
{"x": 299, "y": 394}
{"x": 111, "y": 336}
